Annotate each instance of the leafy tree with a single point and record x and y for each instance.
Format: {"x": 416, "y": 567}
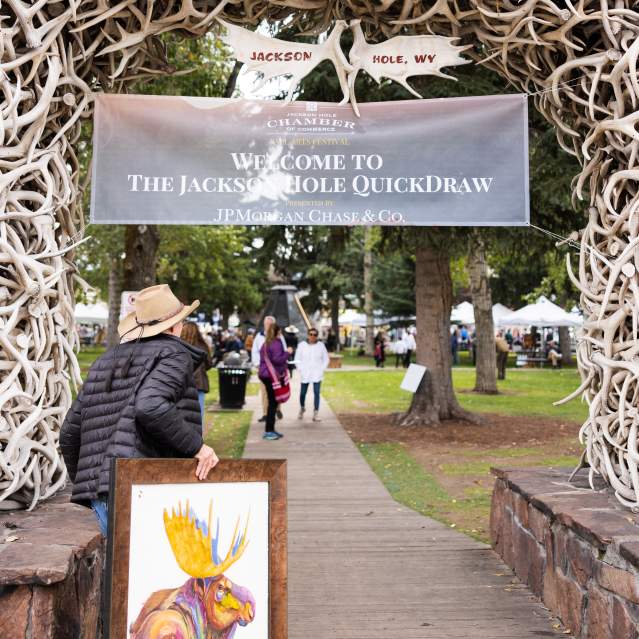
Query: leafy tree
{"x": 213, "y": 264}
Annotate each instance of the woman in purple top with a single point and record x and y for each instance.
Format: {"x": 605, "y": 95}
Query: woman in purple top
{"x": 278, "y": 356}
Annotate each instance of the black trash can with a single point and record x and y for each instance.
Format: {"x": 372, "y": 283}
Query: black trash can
{"x": 233, "y": 380}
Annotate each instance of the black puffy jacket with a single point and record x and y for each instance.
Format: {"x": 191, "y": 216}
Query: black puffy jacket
{"x": 152, "y": 411}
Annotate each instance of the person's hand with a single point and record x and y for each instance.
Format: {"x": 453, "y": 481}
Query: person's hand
{"x": 206, "y": 461}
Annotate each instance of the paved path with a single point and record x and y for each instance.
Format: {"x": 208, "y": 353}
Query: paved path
{"x": 361, "y": 566}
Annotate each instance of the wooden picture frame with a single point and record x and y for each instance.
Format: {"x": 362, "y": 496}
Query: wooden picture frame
{"x": 128, "y": 475}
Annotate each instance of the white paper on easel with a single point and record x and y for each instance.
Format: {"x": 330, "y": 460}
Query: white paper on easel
{"x": 413, "y": 378}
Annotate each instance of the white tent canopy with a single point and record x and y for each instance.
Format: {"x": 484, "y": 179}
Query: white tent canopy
{"x": 499, "y": 311}
{"x": 464, "y": 313}
{"x": 97, "y": 313}
{"x": 352, "y": 317}
{"x": 543, "y": 314}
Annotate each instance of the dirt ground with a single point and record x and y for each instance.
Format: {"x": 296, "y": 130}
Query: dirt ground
{"x": 459, "y": 455}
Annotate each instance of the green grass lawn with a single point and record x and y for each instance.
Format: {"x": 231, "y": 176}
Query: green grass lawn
{"x": 523, "y": 392}
{"x": 411, "y": 485}
{"x": 88, "y": 355}
{"x": 227, "y": 432}
{"x": 465, "y": 507}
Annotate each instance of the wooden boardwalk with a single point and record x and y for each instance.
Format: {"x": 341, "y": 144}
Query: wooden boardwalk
{"x": 362, "y": 566}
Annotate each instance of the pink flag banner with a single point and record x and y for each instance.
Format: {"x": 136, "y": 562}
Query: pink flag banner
{"x": 178, "y": 160}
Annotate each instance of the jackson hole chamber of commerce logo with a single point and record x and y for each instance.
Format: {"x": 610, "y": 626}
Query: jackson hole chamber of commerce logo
{"x": 310, "y": 121}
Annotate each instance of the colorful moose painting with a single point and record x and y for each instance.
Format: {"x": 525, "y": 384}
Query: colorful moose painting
{"x": 209, "y": 605}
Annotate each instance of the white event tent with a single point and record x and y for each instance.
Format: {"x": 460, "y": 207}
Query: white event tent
{"x": 464, "y": 313}
{"x": 543, "y": 314}
{"x": 97, "y": 313}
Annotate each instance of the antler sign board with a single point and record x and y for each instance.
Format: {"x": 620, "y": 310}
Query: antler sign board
{"x": 397, "y": 58}
{"x": 458, "y": 161}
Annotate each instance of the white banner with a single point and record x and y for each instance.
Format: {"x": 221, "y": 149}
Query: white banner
{"x": 174, "y": 160}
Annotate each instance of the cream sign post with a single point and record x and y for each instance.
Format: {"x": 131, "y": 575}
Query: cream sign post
{"x": 398, "y": 59}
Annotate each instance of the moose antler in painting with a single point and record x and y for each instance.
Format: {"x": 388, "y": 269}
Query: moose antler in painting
{"x": 194, "y": 546}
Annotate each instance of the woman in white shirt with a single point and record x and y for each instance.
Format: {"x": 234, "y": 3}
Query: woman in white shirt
{"x": 311, "y": 360}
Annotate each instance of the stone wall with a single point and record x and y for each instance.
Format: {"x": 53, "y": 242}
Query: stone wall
{"x": 577, "y": 549}
{"x": 50, "y": 572}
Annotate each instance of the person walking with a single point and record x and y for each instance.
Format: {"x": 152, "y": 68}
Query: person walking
{"x": 399, "y": 348}
{"x": 410, "y": 346}
{"x": 312, "y": 361}
{"x": 502, "y": 348}
{"x": 454, "y": 345}
{"x": 256, "y": 348}
{"x": 290, "y": 337}
{"x": 139, "y": 400}
{"x": 248, "y": 342}
{"x": 379, "y": 352}
{"x": 191, "y": 335}
{"x": 273, "y": 368}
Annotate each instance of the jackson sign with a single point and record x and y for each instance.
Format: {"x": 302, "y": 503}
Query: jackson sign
{"x": 173, "y": 160}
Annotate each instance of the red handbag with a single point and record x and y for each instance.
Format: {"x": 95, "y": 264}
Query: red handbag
{"x": 281, "y": 386}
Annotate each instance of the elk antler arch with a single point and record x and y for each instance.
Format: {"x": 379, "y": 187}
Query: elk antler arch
{"x": 55, "y": 53}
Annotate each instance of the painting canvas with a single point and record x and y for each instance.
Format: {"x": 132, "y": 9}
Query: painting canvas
{"x": 197, "y": 560}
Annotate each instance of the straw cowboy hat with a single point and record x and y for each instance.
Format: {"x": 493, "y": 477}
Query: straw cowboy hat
{"x": 292, "y": 329}
{"x": 156, "y": 310}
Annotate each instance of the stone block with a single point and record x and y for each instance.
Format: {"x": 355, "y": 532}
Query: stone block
{"x": 629, "y": 550}
{"x": 50, "y": 572}
{"x": 507, "y": 552}
{"x": 581, "y": 559}
{"x": 33, "y": 563}
{"x": 623, "y": 623}
{"x": 565, "y": 598}
{"x": 15, "y": 604}
{"x": 529, "y": 559}
{"x": 598, "y": 614}
{"x": 597, "y": 526}
{"x": 520, "y": 509}
{"x": 521, "y": 551}
{"x": 621, "y": 582}
{"x": 43, "y": 606}
{"x": 537, "y": 569}
{"x": 559, "y": 539}
{"x": 538, "y": 523}
{"x": 497, "y": 505}
{"x": 89, "y": 592}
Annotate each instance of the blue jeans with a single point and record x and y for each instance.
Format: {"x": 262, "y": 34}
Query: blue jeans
{"x": 101, "y": 510}
{"x": 316, "y": 394}
{"x": 201, "y": 395}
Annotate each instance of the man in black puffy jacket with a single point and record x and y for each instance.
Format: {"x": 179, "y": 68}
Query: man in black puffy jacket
{"x": 139, "y": 400}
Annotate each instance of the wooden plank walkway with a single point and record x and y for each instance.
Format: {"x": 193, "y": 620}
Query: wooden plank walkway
{"x": 362, "y": 566}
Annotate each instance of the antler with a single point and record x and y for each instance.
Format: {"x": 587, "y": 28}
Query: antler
{"x": 194, "y": 546}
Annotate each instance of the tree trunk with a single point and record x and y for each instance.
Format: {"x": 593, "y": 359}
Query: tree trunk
{"x": 335, "y": 321}
{"x": 486, "y": 361}
{"x": 232, "y": 81}
{"x": 368, "y": 292}
{"x": 115, "y": 298}
{"x": 564, "y": 345}
{"x": 435, "y": 399}
{"x": 141, "y": 246}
